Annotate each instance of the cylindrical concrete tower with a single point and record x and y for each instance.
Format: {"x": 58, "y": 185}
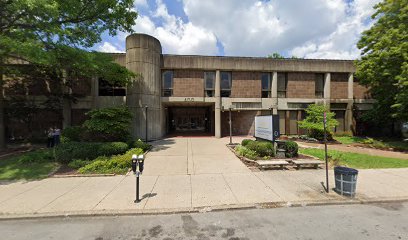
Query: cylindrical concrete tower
{"x": 143, "y": 57}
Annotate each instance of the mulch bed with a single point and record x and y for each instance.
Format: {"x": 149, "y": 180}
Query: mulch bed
{"x": 251, "y": 164}
{"x": 65, "y": 170}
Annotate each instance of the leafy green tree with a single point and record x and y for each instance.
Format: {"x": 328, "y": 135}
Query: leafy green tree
{"x": 275, "y": 55}
{"x": 54, "y": 33}
{"x": 313, "y": 122}
{"x": 109, "y": 124}
{"x": 383, "y": 66}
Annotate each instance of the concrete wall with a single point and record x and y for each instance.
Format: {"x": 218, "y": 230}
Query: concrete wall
{"x": 256, "y": 64}
{"x": 143, "y": 57}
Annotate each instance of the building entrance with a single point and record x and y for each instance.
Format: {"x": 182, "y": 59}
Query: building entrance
{"x": 189, "y": 119}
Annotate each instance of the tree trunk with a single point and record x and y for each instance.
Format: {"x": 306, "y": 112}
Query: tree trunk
{"x": 3, "y": 139}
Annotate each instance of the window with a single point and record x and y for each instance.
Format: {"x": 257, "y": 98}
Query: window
{"x": 319, "y": 85}
{"x": 167, "y": 83}
{"x": 209, "y": 81}
{"x": 225, "y": 84}
{"x": 266, "y": 85}
{"x": 108, "y": 89}
{"x": 282, "y": 84}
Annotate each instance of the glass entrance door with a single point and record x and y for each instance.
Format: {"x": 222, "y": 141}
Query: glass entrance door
{"x": 188, "y": 119}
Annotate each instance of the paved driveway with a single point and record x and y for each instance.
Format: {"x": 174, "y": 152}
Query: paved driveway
{"x": 191, "y": 156}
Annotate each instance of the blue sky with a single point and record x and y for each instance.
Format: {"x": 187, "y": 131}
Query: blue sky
{"x": 326, "y": 29}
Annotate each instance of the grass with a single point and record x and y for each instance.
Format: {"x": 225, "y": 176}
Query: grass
{"x": 349, "y": 140}
{"x": 357, "y": 160}
{"x": 29, "y": 166}
{"x": 375, "y": 143}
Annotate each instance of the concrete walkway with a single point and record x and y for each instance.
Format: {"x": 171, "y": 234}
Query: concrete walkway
{"x": 188, "y": 174}
{"x": 354, "y": 149}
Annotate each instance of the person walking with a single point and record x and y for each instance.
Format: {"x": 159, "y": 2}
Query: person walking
{"x": 50, "y": 137}
{"x": 57, "y": 136}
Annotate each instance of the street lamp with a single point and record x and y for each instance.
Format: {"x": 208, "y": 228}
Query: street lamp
{"x": 230, "y": 124}
{"x": 146, "y": 124}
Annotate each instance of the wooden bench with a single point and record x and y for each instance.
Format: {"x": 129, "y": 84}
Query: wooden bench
{"x": 300, "y": 163}
{"x": 272, "y": 163}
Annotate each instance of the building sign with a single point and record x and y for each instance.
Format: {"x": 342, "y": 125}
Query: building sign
{"x": 267, "y": 127}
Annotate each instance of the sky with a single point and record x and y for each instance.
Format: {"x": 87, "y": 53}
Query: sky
{"x": 317, "y": 29}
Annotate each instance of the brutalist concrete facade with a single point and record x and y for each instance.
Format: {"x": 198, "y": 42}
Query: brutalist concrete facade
{"x": 189, "y": 108}
{"x": 144, "y": 57}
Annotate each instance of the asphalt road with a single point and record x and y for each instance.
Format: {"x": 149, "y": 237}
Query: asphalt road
{"x": 378, "y": 221}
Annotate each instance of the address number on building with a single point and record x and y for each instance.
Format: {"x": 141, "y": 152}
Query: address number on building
{"x": 188, "y": 99}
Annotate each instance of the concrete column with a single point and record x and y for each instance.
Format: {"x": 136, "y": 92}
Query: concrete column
{"x": 217, "y": 104}
{"x": 143, "y": 58}
{"x": 349, "y": 110}
{"x": 274, "y": 91}
{"x": 350, "y": 86}
{"x": 326, "y": 92}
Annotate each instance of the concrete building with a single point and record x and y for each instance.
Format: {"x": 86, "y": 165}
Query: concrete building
{"x": 182, "y": 94}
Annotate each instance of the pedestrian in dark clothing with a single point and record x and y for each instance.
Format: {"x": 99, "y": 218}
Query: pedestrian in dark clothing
{"x": 57, "y": 136}
{"x": 50, "y": 138}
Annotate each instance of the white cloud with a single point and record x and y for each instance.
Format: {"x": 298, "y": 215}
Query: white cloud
{"x": 311, "y": 29}
{"x": 341, "y": 43}
{"x": 108, "y": 47}
{"x": 176, "y": 36}
{"x": 140, "y": 3}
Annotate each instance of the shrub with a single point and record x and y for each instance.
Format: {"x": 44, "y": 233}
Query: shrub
{"x": 78, "y": 163}
{"x": 66, "y": 152}
{"x": 291, "y": 149}
{"x": 140, "y": 144}
{"x": 118, "y": 164}
{"x": 108, "y": 124}
{"x": 368, "y": 141}
{"x": 245, "y": 152}
{"x": 319, "y": 134}
{"x": 262, "y": 148}
{"x": 70, "y": 134}
{"x": 245, "y": 142}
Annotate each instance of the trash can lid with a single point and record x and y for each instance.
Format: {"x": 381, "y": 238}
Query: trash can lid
{"x": 345, "y": 170}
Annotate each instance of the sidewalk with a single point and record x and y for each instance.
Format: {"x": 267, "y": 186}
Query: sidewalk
{"x": 184, "y": 175}
{"x": 107, "y": 195}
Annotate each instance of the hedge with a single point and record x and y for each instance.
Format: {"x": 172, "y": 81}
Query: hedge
{"x": 67, "y": 152}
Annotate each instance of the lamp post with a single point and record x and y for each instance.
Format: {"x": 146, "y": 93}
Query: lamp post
{"x": 146, "y": 124}
{"x": 230, "y": 125}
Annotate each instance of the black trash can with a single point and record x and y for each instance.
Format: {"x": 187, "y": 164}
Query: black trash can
{"x": 346, "y": 180}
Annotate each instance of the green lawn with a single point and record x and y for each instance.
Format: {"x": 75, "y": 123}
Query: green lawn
{"x": 356, "y": 160}
{"x": 349, "y": 140}
{"x": 375, "y": 143}
{"x": 32, "y": 165}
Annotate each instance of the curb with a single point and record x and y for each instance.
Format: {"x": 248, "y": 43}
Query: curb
{"x": 218, "y": 208}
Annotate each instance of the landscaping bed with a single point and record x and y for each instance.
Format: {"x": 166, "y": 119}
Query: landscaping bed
{"x": 72, "y": 158}
{"x": 255, "y": 153}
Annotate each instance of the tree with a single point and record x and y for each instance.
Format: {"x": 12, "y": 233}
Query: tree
{"x": 38, "y": 32}
{"x": 313, "y": 122}
{"x": 384, "y": 62}
{"x": 109, "y": 124}
{"x": 275, "y": 55}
